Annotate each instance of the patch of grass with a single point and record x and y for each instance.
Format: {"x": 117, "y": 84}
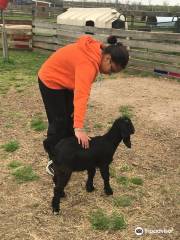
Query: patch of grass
{"x": 21, "y": 69}
{"x": 112, "y": 76}
{"x": 35, "y": 205}
{"x": 122, "y": 180}
{"x": 25, "y": 174}
{"x": 126, "y": 111}
{"x": 14, "y": 164}
{"x": 125, "y": 168}
{"x": 132, "y": 72}
{"x": 99, "y": 78}
{"x": 123, "y": 201}
{"x": 136, "y": 180}
{"x": 127, "y": 181}
{"x": 112, "y": 172}
{"x": 11, "y": 146}
{"x": 18, "y": 17}
{"x": 9, "y": 125}
{"x": 90, "y": 105}
{"x": 8, "y": 62}
{"x": 13, "y": 115}
{"x": 98, "y": 126}
{"x": 138, "y": 73}
{"x": 87, "y": 128}
{"x": 20, "y": 89}
{"x": 117, "y": 222}
{"x": 38, "y": 124}
{"x": 100, "y": 221}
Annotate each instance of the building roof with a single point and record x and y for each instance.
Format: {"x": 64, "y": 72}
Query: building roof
{"x": 39, "y": 1}
{"x": 102, "y": 17}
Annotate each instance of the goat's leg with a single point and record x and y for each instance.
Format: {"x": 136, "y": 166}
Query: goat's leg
{"x": 89, "y": 183}
{"x": 62, "y": 195}
{"x": 54, "y": 179}
{"x": 62, "y": 179}
{"x": 105, "y": 175}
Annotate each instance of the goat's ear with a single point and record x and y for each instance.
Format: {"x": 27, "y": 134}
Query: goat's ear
{"x": 127, "y": 141}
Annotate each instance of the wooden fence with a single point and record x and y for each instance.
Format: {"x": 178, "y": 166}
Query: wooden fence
{"x": 148, "y": 50}
{"x": 18, "y": 36}
{"x": 31, "y": 11}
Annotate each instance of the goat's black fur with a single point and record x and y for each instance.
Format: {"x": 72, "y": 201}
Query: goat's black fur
{"x": 70, "y": 157}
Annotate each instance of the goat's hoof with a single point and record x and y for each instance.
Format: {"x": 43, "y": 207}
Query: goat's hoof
{"x": 90, "y": 188}
{"x": 108, "y": 191}
{"x": 55, "y": 212}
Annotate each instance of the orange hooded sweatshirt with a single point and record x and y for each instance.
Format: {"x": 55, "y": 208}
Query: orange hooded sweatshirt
{"x": 74, "y": 67}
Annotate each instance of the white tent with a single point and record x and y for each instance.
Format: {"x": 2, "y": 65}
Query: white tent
{"x": 98, "y": 17}
{"x": 166, "y": 21}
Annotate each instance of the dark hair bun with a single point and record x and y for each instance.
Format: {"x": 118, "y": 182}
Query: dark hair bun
{"x": 120, "y": 44}
{"x": 112, "y": 39}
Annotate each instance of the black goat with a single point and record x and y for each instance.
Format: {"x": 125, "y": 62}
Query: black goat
{"x": 70, "y": 156}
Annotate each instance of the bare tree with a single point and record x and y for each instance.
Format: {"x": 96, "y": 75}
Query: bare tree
{"x": 150, "y": 1}
{"x": 166, "y": 4}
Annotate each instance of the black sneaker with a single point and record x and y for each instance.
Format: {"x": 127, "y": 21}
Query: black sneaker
{"x": 49, "y": 168}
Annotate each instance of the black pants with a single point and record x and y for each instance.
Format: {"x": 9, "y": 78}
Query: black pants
{"x": 59, "y": 108}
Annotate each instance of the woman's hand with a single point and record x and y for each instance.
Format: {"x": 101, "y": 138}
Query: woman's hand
{"x": 82, "y": 137}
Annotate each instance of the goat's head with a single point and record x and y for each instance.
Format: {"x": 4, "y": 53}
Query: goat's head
{"x": 125, "y": 128}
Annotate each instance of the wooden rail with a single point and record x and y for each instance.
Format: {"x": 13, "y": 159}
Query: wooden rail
{"x": 19, "y": 37}
{"x": 148, "y": 50}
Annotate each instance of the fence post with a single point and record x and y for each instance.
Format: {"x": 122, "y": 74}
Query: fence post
{"x": 126, "y": 28}
{"x": 4, "y": 38}
{"x": 132, "y": 21}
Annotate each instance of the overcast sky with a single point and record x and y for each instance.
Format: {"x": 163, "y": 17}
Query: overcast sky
{"x": 155, "y": 2}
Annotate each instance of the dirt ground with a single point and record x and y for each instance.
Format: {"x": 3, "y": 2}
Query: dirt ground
{"x": 25, "y": 211}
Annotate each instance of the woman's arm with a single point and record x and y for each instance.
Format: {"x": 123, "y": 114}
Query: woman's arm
{"x": 85, "y": 74}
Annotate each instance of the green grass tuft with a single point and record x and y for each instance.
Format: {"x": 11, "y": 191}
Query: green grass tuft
{"x": 38, "y": 124}
{"x": 14, "y": 164}
{"x": 11, "y": 146}
{"x": 25, "y": 174}
{"x": 8, "y": 125}
{"x": 127, "y": 181}
{"x": 125, "y": 168}
{"x": 100, "y": 221}
{"x": 136, "y": 180}
{"x": 123, "y": 201}
{"x": 112, "y": 172}
{"x": 98, "y": 125}
{"x": 117, "y": 222}
{"x": 99, "y": 78}
{"x": 90, "y": 105}
{"x": 8, "y": 62}
{"x": 126, "y": 111}
{"x": 122, "y": 180}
